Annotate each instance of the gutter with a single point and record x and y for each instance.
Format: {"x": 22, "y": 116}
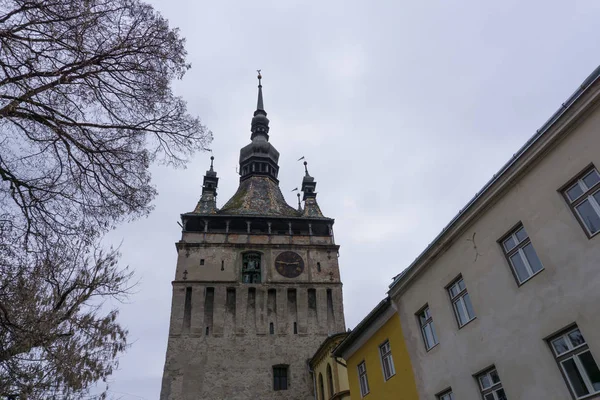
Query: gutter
{"x": 589, "y": 81}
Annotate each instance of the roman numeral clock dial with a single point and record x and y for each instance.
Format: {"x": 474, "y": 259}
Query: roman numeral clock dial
{"x": 289, "y": 264}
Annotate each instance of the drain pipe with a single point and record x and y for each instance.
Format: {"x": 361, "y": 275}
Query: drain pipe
{"x": 314, "y": 378}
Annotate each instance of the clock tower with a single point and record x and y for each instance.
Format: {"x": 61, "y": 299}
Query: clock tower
{"x": 257, "y": 286}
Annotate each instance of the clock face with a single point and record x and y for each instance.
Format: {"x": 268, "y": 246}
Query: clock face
{"x": 289, "y": 264}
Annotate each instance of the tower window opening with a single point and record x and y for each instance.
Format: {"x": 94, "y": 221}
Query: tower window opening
{"x": 271, "y": 328}
{"x": 280, "y": 377}
{"x": 295, "y": 328}
{"x": 251, "y": 268}
{"x": 207, "y": 330}
{"x": 319, "y": 266}
{"x": 202, "y": 261}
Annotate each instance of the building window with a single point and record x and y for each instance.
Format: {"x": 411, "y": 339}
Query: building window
{"x": 202, "y": 261}
{"x": 461, "y": 302}
{"x": 321, "y": 387}
{"x": 251, "y": 268}
{"x": 490, "y": 385}
{"x": 280, "y": 377}
{"x": 521, "y": 255}
{"x": 427, "y": 329}
{"x": 330, "y": 381}
{"x": 445, "y": 395}
{"x": 387, "y": 363}
{"x": 295, "y": 328}
{"x": 271, "y": 328}
{"x": 362, "y": 379}
{"x": 576, "y": 362}
{"x": 584, "y": 198}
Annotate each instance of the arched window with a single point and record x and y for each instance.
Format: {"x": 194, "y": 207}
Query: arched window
{"x": 321, "y": 387}
{"x": 330, "y": 381}
{"x": 251, "y": 268}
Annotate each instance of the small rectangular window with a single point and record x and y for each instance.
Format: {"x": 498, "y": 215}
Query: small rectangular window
{"x": 387, "y": 363}
{"x": 280, "y": 377}
{"x": 583, "y": 196}
{"x": 362, "y": 379}
{"x": 490, "y": 385}
{"x": 427, "y": 329}
{"x": 445, "y": 395}
{"x": 461, "y": 302}
{"x": 576, "y": 363}
{"x": 202, "y": 261}
{"x": 521, "y": 255}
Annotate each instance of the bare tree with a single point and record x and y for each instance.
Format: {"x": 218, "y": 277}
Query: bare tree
{"x": 85, "y": 107}
{"x": 56, "y": 337}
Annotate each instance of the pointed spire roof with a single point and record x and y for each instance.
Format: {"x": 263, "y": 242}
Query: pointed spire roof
{"x": 260, "y": 122}
{"x": 311, "y": 208}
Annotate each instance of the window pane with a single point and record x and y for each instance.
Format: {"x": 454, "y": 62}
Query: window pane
{"x": 509, "y": 244}
{"x": 460, "y": 312}
{"x": 591, "y": 179}
{"x": 489, "y": 396}
{"x": 495, "y": 377}
{"x": 574, "y": 192}
{"x": 532, "y": 258}
{"x": 519, "y": 267}
{"x": 485, "y": 381}
{"x": 453, "y": 291}
{"x": 461, "y": 285}
{"x": 576, "y": 338}
{"x": 591, "y": 369}
{"x": 500, "y": 395}
{"x": 521, "y": 235}
{"x": 469, "y": 306}
{"x": 589, "y": 216}
{"x": 597, "y": 196}
{"x": 560, "y": 345}
{"x": 429, "y": 338}
{"x": 575, "y": 377}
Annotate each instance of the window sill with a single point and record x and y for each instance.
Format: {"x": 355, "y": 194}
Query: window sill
{"x": 467, "y": 323}
{"x": 390, "y": 377}
{"x": 432, "y": 347}
{"x": 531, "y": 277}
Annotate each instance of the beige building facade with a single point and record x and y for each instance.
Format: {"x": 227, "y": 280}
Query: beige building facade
{"x": 256, "y": 288}
{"x": 504, "y": 303}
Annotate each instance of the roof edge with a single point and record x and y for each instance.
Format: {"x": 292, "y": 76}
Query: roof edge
{"x": 362, "y": 326}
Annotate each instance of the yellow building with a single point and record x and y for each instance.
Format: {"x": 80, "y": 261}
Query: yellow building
{"x": 377, "y": 360}
{"x": 329, "y": 373}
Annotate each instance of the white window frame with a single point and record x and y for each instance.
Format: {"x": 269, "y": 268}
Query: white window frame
{"x": 446, "y": 395}
{"x": 428, "y": 322}
{"x": 587, "y": 194}
{"x": 572, "y": 353}
{"x": 491, "y": 389}
{"x": 363, "y": 380}
{"x": 519, "y": 246}
{"x": 459, "y": 301}
{"x": 385, "y": 356}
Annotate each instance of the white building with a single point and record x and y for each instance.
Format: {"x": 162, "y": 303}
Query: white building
{"x": 505, "y": 302}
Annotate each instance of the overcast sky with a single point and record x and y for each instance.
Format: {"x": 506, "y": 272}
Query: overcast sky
{"x": 403, "y": 109}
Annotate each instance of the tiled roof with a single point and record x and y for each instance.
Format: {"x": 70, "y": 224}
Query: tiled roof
{"x": 258, "y": 195}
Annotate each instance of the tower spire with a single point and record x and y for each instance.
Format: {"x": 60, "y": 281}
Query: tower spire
{"x": 260, "y": 122}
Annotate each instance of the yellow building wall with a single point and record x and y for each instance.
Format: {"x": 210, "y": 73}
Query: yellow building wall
{"x": 340, "y": 377}
{"x": 400, "y": 386}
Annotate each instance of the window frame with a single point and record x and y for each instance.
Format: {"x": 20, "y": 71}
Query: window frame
{"x": 386, "y": 356}
{"x": 459, "y": 296}
{"x": 363, "y": 390}
{"x": 573, "y": 352}
{"x": 494, "y": 387}
{"x": 422, "y": 325}
{"x": 445, "y": 394}
{"x": 281, "y": 367}
{"x": 258, "y": 272}
{"x": 518, "y": 248}
{"x": 587, "y": 194}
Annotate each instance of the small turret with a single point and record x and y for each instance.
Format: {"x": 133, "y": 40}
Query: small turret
{"x": 208, "y": 201}
{"x": 311, "y": 208}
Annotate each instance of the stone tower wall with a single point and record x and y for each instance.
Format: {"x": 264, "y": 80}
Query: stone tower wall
{"x": 221, "y": 345}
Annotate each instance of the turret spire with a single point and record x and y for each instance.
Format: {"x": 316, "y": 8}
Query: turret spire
{"x": 208, "y": 201}
{"x": 259, "y": 103}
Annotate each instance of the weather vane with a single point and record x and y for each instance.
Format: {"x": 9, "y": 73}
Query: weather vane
{"x": 259, "y": 76}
